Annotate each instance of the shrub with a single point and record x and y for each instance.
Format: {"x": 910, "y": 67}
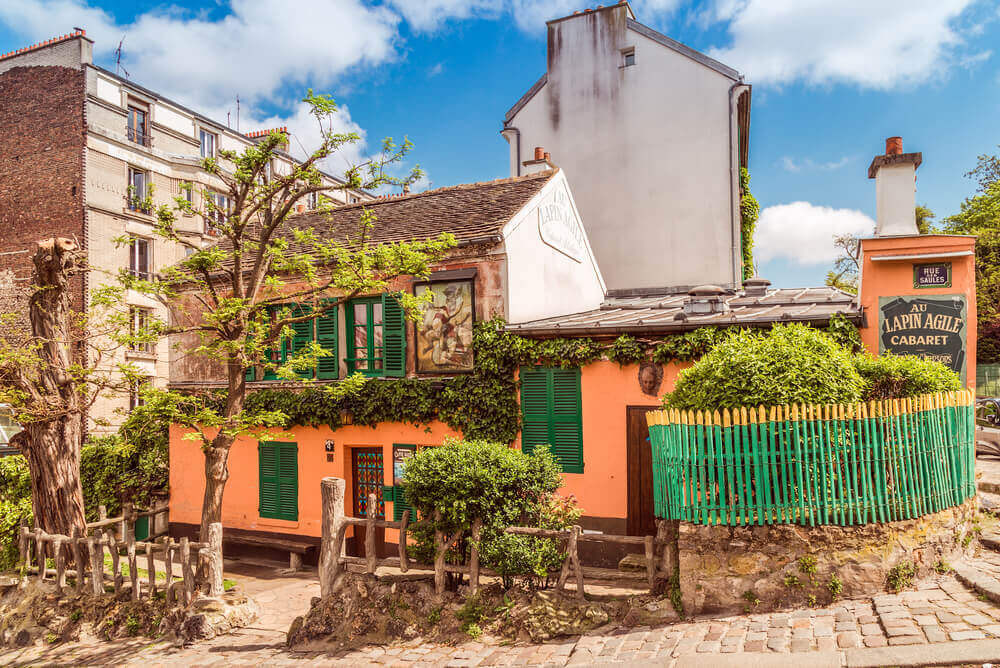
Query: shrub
{"x": 15, "y": 505}
{"x": 788, "y": 364}
{"x": 890, "y": 376}
{"x": 502, "y": 486}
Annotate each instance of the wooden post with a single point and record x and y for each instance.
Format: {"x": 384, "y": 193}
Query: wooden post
{"x": 575, "y": 556}
{"x": 187, "y": 571}
{"x": 168, "y": 560}
{"x": 332, "y": 495}
{"x": 57, "y": 551}
{"x": 477, "y": 527}
{"x": 150, "y": 570}
{"x": 650, "y": 562}
{"x": 133, "y": 567}
{"x": 40, "y": 554}
{"x": 80, "y": 559}
{"x": 440, "y": 549}
{"x": 404, "y": 562}
{"x": 22, "y": 547}
{"x": 128, "y": 522}
{"x": 372, "y": 514}
{"x": 564, "y": 571}
{"x": 96, "y": 553}
{"x": 215, "y": 559}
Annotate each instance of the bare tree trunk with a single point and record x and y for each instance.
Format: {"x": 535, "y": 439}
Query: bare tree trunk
{"x": 53, "y": 454}
{"x": 217, "y": 454}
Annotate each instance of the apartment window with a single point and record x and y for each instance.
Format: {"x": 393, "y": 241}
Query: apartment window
{"x": 216, "y": 211}
{"x": 628, "y": 57}
{"x": 139, "y": 319}
{"x": 376, "y": 336}
{"x": 138, "y": 125}
{"x": 139, "y": 257}
{"x": 312, "y": 201}
{"x": 209, "y": 140}
{"x": 135, "y": 392}
{"x": 551, "y": 414}
{"x": 322, "y": 330}
{"x": 188, "y": 189}
{"x": 354, "y": 199}
{"x": 138, "y": 190}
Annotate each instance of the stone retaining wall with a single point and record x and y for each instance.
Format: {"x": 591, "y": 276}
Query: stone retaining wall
{"x": 727, "y": 569}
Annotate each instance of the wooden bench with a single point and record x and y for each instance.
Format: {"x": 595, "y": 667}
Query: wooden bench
{"x": 297, "y": 549}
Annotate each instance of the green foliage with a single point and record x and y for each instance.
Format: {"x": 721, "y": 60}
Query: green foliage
{"x": 789, "y": 364}
{"x": 15, "y": 506}
{"x": 792, "y": 580}
{"x": 749, "y": 212}
{"x": 890, "y": 376}
{"x": 942, "y": 567}
{"x": 900, "y": 576}
{"x": 626, "y": 350}
{"x": 844, "y": 332}
{"x": 691, "y": 345}
{"x": 750, "y": 597}
{"x": 807, "y": 564}
{"x": 835, "y": 587}
{"x": 465, "y": 480}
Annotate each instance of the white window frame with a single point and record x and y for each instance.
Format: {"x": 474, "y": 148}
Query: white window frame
{"x": 139, "y": 317}
{"x": 135, "y": 255}
{"x": 202, "y": 133}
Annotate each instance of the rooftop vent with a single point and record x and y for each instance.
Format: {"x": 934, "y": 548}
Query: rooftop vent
{"x": 705, "y": 299}
{"x": 755, "y": 287}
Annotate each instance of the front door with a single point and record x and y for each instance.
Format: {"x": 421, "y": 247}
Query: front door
{"x": 368, "y": 477}
{"x": 640, "y": 473}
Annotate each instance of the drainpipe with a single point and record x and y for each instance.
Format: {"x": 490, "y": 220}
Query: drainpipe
{"x": 734, "y": 186}
{"x": 511, "y": 128}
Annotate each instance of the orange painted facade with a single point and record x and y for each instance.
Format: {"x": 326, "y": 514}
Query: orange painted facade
{"x": 890, "y": 278}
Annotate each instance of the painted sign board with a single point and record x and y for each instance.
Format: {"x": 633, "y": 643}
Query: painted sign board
{"x": 930, "y": 327}
{"x": 932, "y": 275}
{"x": 558, "y": 226}
{"x": 400, "y": 453}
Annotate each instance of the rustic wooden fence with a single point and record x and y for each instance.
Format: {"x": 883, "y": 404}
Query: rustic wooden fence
{"x": 843, "y": 464}
{"x": 86, "y": 553}
{"x": 333, "y": 562}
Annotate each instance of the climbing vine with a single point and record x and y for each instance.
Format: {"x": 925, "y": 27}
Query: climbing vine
{"x": 484, "y": 404}
{"x": 749, "y": 212}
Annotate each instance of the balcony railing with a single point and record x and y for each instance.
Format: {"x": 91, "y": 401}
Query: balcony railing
{"x": 139, "y": 136}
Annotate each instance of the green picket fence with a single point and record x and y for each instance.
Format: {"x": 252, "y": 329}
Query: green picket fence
{"x": 840, "y": 464}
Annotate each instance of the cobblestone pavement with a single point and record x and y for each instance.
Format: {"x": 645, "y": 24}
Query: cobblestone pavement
{"x": 937, "y": 611}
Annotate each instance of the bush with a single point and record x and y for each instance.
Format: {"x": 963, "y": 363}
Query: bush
{"x": 891, "y": 376}
{"x": 15, "y": 505}
{"x": 789, "y": 364}
{"x": 502, "y": 486}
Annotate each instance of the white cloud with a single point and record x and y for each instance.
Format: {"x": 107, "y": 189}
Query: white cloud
{"x": 791, "y": 165}
{"x": 803, "y": 232}
{"x": 879, "y": 45}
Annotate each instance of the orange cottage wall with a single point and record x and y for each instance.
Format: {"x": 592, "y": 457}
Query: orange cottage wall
{"x": 607, "y": 391}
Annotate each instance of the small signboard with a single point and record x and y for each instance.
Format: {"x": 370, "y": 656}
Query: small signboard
{"x": 400, "y": 453}
{"x": 930, "y": 327}
{"x": 558, "y": 226}
{"x": 932, "y": 275}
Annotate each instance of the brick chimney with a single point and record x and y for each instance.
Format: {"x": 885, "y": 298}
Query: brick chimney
{"x": 542, "y": 162}
{"x": 895, "y": 189}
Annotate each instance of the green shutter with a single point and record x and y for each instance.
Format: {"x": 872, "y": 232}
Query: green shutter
{"x": 269, "y": 374}
{"x": 399, "y": 505}
{"x": 268, "y": 462}
{"x": 326, "y": 337}
{"x": 302, "y": 336}
{"x": 279, "y": 480}
{"x": 251, "y": 374}
{"x": 552, "y": 414}
{"x": 349, "y": 336}
{"x": 393, "y": 337}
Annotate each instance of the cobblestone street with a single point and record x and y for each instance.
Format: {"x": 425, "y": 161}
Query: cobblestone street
{"x": 941, "y": 616}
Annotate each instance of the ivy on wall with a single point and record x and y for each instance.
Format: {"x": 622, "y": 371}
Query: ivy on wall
{"x": 749, "y": 212}
{"x": 484, "y": 404}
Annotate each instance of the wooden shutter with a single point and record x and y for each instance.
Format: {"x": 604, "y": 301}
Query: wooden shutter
{"x": 326, "y": 337}
{"x": 267, "y": 456}
{"x": 393, "y": 337}
{"x": 399, "y": 505}
{"x": 269, "y": 374}
{"x": 552, "y": 414}
{"x": 302, "y": 336}
{"x": 288, "y": 481}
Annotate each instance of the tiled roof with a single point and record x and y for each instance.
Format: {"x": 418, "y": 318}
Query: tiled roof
{"x": 469, "y": 211}
{"x": 651, "y": 314}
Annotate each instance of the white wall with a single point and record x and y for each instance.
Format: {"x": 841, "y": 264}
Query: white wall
{"x": 551, "y": 269}
{"x": 646, "y": 149}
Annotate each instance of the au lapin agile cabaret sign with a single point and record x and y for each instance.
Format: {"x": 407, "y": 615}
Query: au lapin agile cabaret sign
{"x": 931, "y": 327}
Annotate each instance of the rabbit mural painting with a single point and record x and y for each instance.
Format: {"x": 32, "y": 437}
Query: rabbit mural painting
{"x": 444, "y": 333}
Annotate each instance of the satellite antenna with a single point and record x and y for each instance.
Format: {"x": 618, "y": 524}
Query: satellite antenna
{"x": 119, "y": 68}
{"x": 237, "y": 113}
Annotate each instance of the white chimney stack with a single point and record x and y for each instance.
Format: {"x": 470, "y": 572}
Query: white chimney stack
{"x": 895, "y": 175}
{"x": 542, "y": 162}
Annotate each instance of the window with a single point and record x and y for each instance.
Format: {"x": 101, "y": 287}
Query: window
{"x": 139, "y": 257}
{"x": 354, "y": 199}
{"x": 187, "y": 188}
{"x": 138, "y": 125}
{"x": 312, "y": 201}
{"x": 138, "y": 321}
{"x": 551, "y": 414}
{"x": 138, "y": 191}
{"x": 279, "y": 480}
{"x": 376, "y": 336}
{"x": 209, "y": 140}
{"x": 216, "y": 212}
{"x": 135, "y": 392}
{"x": 321, "y": 329}
{"x": 628, "y": 57}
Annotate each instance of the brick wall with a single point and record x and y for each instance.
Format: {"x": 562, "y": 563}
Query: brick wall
{"x": 41, "y": 162}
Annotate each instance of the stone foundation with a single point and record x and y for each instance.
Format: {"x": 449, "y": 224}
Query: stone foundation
{"x": 727, "y": 569}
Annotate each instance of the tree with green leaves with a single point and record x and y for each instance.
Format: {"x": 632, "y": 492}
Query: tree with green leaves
{"x": 238, "y": 300}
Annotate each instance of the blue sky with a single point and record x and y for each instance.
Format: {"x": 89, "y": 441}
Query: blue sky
{"x": 831, "y": 81}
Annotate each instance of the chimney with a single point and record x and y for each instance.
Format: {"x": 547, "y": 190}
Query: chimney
{"x": 542, "y": 162}
{"x": 755, "y": 287}
{"x": 895, "y": 189}
{"x": 705, "y": 300}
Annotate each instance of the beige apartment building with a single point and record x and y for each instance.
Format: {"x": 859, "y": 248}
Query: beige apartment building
{"x": 85, "y": 152}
